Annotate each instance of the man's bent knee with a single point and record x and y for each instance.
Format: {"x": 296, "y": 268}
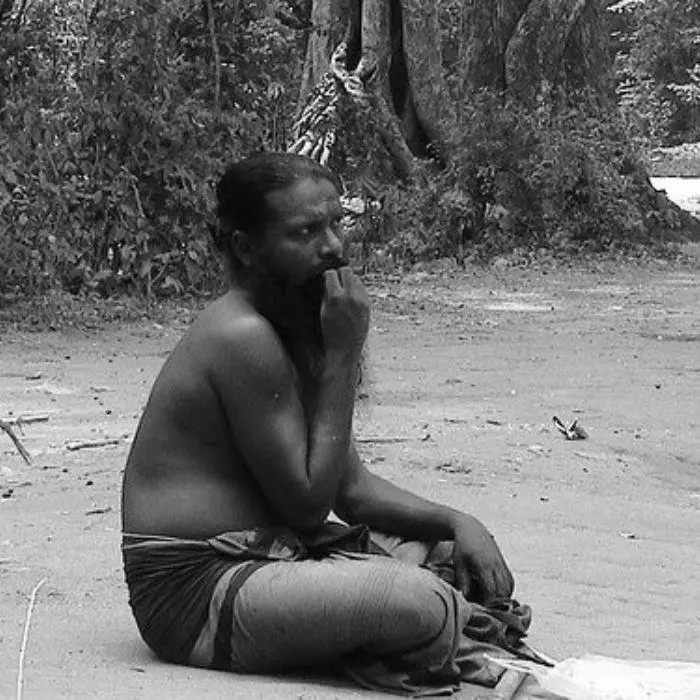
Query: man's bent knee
{"x": 414, "y": 613}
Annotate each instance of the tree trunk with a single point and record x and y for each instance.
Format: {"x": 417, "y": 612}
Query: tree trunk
{"x": 534, "y": 53}
{"x": 540, "y": 53}
{"x": 394, "y": 46}
{"x": 529, "y": 49}
{"x": 329, "y": 21}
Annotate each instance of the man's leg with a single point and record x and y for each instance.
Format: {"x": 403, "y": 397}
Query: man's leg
{"x": 302, "y": 613}
{"x": 437, "y": 557}
{"x": 493, "y": 631}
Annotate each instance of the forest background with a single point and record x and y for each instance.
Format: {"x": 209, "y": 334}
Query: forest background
{"x": 116, "y": 119}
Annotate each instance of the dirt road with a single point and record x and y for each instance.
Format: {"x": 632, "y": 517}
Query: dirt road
{"x": 466, "y": 372}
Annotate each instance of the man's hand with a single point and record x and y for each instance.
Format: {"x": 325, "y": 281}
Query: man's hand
{"x": 344, "y": 313}
{"x": 481, "y": 571}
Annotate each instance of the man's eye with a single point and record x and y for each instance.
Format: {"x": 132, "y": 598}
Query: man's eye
{"x": 305, "y": 232}
{"x": 317, "y": 229}
{"x": 310, "y": 231}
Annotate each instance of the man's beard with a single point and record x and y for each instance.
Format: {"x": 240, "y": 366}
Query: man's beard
{"x": 294, "y": 311}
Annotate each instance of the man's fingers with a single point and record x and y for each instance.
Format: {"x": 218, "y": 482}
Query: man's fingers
{"x": 349, "y": 279}
{"x": 346, "y": 276}
{"x": 462, "y": 577}
{"x": 492, "y": 586}
{"x": 496, "y": 585}
{"x": 508, "y": 585}
{"x": 332, "y": 282}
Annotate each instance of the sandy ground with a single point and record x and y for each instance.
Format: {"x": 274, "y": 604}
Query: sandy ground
{"x": 467, "y": 371}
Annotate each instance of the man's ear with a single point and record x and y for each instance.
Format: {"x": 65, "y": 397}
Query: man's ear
{"x": 241, "y": 247}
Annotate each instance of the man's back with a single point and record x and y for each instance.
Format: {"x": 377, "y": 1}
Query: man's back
{"x": 185, "y": 475}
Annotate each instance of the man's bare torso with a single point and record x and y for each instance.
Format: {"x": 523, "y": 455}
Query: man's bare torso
{"x": 236, "y": 436}
{"x": 185, "y": 476}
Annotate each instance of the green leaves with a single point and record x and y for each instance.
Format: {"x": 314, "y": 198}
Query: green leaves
{"x": 658, "y": 68}
{"x": 109, "y": 144}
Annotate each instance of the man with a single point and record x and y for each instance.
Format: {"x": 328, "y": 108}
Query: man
{"x": 244, "y": 450}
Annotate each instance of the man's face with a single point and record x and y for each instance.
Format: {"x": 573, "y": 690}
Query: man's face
{"x": 304, "y": 236}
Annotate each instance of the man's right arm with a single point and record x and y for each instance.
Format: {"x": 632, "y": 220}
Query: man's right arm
{"x": 297, "y": 460}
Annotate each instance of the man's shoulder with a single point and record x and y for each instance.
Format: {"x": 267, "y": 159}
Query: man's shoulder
{"x": 231, "y": 319}
{"x": 235, "y": 333}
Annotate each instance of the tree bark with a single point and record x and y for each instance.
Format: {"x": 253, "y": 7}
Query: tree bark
{"x": 533, "y": 49}
{"x": 329, "y": 20}
{"x": 394, "y": 45}
{"x": 526, "y": 49}
{"x": 425, "y": 103}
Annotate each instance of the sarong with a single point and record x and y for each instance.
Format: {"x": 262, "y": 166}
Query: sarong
{"x": 265, "y": 600}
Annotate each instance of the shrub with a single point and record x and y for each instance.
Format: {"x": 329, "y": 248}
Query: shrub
{"x": 522, "y": 180}
{"x": 657, "y": 67}
{"x": 114, "y": 124}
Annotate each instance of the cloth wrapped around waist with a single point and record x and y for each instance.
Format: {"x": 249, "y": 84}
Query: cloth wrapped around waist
{"x": 182, "y": 595}
{"x": 171, "y": 580}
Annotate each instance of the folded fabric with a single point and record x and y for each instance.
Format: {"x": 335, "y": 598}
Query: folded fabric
{"x": 265, "y": 599}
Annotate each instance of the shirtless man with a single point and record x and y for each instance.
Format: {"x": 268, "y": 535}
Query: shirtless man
{"x": 245, "y": 448}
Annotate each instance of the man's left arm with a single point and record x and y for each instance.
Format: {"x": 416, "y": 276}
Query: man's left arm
{"x": 366, "y": 498}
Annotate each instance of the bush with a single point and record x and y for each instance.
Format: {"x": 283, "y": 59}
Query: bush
{"x": 114, "y": 124}
{"x": 565, "y": 181}
{"x": 657, "y": 67}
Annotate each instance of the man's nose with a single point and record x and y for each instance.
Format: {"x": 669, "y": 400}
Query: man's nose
{"x": 332, "y": 245}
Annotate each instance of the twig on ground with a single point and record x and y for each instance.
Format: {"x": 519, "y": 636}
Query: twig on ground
{"x": 383, "y": 440}
{"x": 99, "y": 511}
{"x": 25, "y": 637}
{"x": 6, "y": 427}
{"x": 89, "y": 444}
{"x": 572, "y": 432}
{"x": 28, "y": 420}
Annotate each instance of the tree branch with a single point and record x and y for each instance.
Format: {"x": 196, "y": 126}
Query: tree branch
{"x": 5, "y": 10}
{"x": 20, "y": 14}
{"x": 292, "y": 21}
{"x": 216, "y": 53}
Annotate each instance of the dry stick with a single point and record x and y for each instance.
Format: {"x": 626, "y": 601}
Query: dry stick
{"x": 90, "y": 444}
{"x": 18, "y": 443}
{"x": 21, "y": 421}
{"x": 25, "y": 637}
{"x": 27, "y": 420}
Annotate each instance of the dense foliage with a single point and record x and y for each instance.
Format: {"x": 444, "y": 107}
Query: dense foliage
{"x": 557, "y": 181}
{"x": 658, "y": 67}
{"x": 116, "y": 119}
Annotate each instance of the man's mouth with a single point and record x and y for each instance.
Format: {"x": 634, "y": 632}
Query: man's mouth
{"x": 334, "y": 265}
